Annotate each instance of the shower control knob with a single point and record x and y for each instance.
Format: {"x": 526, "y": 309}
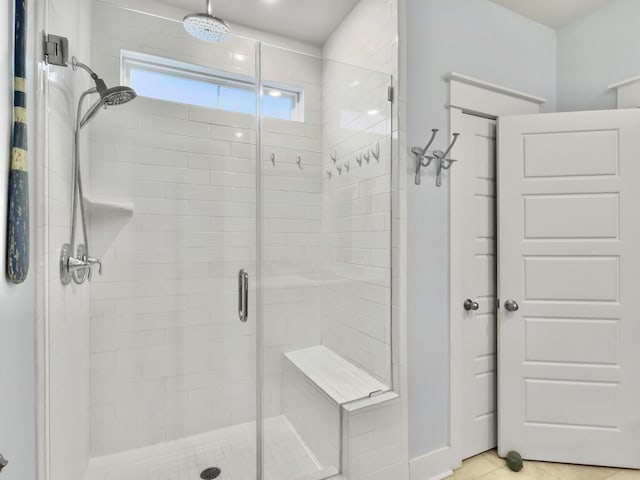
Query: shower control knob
{"x": 511, "y": 306}
{"x": 91, "y": 262}
{"x": 470, "y": 305}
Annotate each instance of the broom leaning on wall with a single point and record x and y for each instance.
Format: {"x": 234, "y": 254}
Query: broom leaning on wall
{"x": 18, "y": 214}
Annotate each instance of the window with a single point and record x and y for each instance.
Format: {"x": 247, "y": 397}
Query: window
{"x": 170, "y": 80}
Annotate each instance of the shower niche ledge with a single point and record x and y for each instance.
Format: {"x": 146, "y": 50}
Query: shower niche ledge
{"x": 106, "y": 218}
{"x": 98, "y": 209}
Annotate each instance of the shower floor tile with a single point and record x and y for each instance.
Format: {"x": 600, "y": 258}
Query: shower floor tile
{"x": 231, "y": 449}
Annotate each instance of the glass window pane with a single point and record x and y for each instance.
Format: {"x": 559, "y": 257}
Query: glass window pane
{"x": 173, "y": 88}
{"x": 237, "y": 100}
{"x": 278, "y": 107}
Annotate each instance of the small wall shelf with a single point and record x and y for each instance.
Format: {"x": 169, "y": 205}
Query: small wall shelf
{"x": 106, "y": 208}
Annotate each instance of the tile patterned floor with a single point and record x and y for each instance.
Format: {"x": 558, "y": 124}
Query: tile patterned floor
{"x": 231, "y": 449}
{"x": 488, "y": 466}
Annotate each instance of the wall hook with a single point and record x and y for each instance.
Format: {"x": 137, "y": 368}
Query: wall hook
{"x": 367, "y": 157}
{"x": 299, "y": 162}
{"x": 339, "y": 169}
{"x": 334, "y": 157}
{"x": 359, "y": 160}
{"x": 273, "y": 159}
{"x": 442, "y": 162}
{"x": 347, "y": 166}
{"x": 329, "y": 174}
{"x": 376, "y": 152}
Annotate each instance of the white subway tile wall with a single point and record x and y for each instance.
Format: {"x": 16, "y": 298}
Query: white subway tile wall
{"x": 356, "y": 217}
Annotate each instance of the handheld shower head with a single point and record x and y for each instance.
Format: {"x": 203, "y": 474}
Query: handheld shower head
{"x": 117, "y": 96}
{"x": 109, "y": 97}
{"x": 206, "y": 27}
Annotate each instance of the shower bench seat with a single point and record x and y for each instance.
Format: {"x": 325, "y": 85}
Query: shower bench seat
{"x": 339, "y": 379}
{"x": 320, "y": 392}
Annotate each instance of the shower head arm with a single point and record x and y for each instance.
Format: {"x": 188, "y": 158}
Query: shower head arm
{"x": 209, "y": 8}
{"x": 100, "y": 85}
{"x": 75, "y": 64}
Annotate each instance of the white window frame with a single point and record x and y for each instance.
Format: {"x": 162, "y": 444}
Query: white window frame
{"x": 153, "y": 63}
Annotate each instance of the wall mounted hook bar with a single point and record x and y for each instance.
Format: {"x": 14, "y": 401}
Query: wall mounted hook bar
{"x": 347, "y": 166}
{"x": 339, "y": 169}
{"x": 359, "y": 160}
{"x": 367, "y": 157}
{"x": 423, "y": 159}
{"x": 334, "y": 157}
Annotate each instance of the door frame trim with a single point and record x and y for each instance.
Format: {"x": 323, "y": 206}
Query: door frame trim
{"x": 468, "y": 95}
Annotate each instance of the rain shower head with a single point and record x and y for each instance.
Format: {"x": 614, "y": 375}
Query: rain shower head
{"x": 109, "y": 97}
{"x": 206, "y": 27}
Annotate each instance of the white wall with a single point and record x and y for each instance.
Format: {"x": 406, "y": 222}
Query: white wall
{"x": 356, "y": 218}
{"x": 484, "y": 40}
{"x": 596, "y": 51}
{"x": 17, "y": 302}
{"x": 356, "y": 204}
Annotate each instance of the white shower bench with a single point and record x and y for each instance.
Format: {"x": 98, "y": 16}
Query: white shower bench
{"x": 321, "y": 390}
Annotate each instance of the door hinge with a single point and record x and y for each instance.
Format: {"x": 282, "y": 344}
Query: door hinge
{"x": 55, "y": 50}
{"x": 391, "y": 94}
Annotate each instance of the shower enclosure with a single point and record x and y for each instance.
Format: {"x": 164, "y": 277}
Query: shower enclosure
{"x": 241, "y": 208}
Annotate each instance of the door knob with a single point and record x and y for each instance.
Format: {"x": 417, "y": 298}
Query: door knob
{"x": 470, "y": 305}
{"x": 511, "y": 306}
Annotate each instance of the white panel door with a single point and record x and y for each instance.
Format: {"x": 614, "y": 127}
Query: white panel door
{"x": 569, "y": 255}
{"x": 473, "y": 265}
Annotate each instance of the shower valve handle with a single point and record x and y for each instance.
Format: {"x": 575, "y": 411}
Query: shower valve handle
{"x": 75, "y": 264}
{"x": 93, "y": 261}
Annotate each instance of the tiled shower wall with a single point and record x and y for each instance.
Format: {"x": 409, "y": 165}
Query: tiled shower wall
{"x": 356, "y": 202}
{"x": 173, "y": 192}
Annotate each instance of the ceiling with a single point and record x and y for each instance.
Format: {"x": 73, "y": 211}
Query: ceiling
{"x": 554, "y": 13}
{"x": 311, "y": 21}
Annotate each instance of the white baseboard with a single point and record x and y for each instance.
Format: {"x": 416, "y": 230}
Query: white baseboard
{"x": 435, "y": 465}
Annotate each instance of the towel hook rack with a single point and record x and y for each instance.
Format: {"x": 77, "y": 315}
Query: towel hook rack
{"x": 424, "y": 159}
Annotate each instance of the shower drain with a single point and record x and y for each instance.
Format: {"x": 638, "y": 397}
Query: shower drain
{"x": 210, "y": 473}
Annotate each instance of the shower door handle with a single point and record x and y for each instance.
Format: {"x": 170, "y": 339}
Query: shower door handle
{"x": 243, "y": 295}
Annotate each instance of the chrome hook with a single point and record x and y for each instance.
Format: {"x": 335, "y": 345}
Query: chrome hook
{"x": 273, "y": 159}
{"x": 367, "y": 157}
{"x": 442, "y": 162}
{"x": 334, "y": 157}
{"x": 299, "y": 162}
{"x": 329, "y": 174}
{"x": 376, "y": 152}
{"x": 347, "y": 166}
{"x": 359, "y": 160}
